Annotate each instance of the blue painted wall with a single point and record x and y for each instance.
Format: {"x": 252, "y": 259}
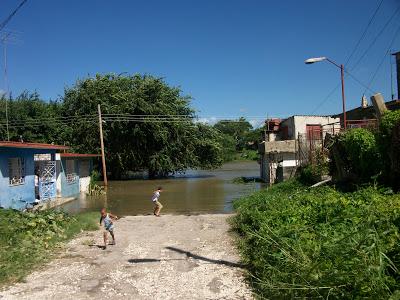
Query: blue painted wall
{"x": 18, "y": 196}
{"x": 69, "y": 189}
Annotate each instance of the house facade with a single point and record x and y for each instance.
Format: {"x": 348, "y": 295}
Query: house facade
{"x": 287, "y": 140}
{"x": 73, "y": 173}
{"x": 34, "y": 173}
{"x": 27, "y": 173}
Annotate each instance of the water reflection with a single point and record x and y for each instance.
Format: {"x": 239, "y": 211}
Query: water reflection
{"x": 193, "y": 192}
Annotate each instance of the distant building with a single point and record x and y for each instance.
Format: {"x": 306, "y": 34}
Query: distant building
{"x": 32, "y": 173}
{"x": 287, "y": 142}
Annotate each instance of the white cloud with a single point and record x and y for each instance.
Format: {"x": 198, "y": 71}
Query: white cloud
{"x": 210, "y": 121}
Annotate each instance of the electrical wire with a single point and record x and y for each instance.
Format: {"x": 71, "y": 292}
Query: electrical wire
{"x": 383, "y": 58}
{"x": 365, "y": 32}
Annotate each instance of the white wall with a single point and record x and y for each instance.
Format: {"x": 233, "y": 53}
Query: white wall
{"x": 300, "y": 123}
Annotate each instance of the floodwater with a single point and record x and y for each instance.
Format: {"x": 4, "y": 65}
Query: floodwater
{"x": 196, "y": 191}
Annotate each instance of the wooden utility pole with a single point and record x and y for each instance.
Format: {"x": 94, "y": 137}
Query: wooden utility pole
{"x": 103, "y": 158}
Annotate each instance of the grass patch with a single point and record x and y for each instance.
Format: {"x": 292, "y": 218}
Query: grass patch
{"x": 320, "y": 243}
{"x": 28, "y": 239}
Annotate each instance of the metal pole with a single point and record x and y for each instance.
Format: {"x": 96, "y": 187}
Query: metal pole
{"x": 103, "y": 159}
{"x": 343, "y": 97}
{"x": 6, "y": 86}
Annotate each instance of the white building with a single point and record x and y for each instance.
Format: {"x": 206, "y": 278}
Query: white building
{"x": 287, "y": 141}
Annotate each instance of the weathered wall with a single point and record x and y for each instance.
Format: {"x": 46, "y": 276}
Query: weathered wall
{"x": 69, "y": 189}
{"x": 18, "y": 196}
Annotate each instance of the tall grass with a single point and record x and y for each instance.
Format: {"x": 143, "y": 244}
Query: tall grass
{"x": 27, "y": 239}
{"x": 320, "y": 243}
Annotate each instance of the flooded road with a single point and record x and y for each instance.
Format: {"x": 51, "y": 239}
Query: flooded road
{"x": 197, "y": 191}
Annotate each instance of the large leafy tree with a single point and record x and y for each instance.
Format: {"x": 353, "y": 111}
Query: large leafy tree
{"x": 159, "y": 146}
{"x": 31, "y": 119}
{"x": 237, "y": 129}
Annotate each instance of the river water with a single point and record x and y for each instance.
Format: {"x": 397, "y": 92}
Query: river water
{"x": 196, "y": 191}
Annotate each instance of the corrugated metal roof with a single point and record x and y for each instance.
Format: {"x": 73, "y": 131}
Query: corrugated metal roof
{"x": 32, "y": 145}
{"x": 79, "y": 155}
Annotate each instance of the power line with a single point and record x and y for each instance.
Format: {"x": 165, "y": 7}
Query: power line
{"x": 8, "y": 19}
{"x": 365, "y": 32}
{"x": 362, "y": 56}
{"x": 383, "y": 58}
{"x": 375, "y": 39}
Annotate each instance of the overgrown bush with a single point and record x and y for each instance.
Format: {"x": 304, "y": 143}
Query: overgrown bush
{"x": 94, "y": 189}
{"x": 389, "y": 145}
{"x": 362, "y": 152}
{"x": 320, "y": 243}
{"x": 27, "y": 238}
{"x": 315, "y": 170}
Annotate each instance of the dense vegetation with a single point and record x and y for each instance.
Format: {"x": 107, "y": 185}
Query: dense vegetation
{"x": 239, "y": 139}
{"x": 367, "y": 155}
{"x": 320, "y": 243}
{"x": 134, "y": 140}
{"x": 26, "y": 239}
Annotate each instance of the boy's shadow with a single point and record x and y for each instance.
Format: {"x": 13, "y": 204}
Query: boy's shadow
{"x": 100, "y": 246}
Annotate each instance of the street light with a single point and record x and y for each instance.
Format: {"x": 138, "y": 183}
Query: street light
{"x": 323, "y": 58}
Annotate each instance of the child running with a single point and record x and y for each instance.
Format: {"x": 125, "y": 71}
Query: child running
{"x": 106, "y": 219}
{"x": 157, "y": 205}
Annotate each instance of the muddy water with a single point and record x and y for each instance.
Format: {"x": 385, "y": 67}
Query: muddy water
{"x": 197, "y": 191}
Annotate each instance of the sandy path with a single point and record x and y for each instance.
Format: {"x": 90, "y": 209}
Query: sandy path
{"x": 172, "y": 257}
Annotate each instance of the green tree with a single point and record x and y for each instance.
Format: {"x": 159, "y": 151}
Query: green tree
{"x": 32, "y": 119}
{"x": 159, "y": 147}
{"x": 237, "y": 129}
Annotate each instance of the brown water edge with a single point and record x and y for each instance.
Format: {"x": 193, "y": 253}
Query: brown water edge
{"x": 197, "y": 191}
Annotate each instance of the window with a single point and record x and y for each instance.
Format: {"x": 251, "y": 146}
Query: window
{"x": 70, "y": 171}
{"x": 16, "y": 171}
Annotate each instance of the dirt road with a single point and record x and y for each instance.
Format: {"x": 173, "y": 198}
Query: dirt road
{"x": 171, "y": 257}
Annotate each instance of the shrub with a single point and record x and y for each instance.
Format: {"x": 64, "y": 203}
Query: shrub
{"x": 320, "y": 243}
{"x": 362, "y": 152}
{"x": 27, "y": 238}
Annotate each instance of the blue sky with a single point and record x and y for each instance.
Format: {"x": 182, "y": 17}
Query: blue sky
{"x": 233, "y": 57}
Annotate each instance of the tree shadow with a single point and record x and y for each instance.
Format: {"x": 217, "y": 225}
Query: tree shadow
{"x": 214, "y": 261}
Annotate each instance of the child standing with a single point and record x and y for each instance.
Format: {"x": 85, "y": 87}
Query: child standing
{"x": 157, "y": 205}
{"x": 106, "y": 219}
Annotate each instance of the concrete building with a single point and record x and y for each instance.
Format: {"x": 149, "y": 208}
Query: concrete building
{"x": 73, "y": 173}
{"x": 32, "y": 173}
{"x": 287, "y": 141}
{"x": 27, "y": 172}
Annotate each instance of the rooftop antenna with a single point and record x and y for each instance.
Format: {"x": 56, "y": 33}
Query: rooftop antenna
{"x": 7, "y": 37}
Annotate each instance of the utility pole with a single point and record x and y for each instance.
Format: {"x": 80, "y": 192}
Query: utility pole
{"x": 6, "y": 86}
{"x": 103, "y": 159}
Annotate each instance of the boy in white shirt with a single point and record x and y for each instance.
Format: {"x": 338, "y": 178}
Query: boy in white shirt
{"x": 157, "y": 205}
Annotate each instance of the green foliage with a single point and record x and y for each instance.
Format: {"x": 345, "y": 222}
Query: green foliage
{"x": 389, "y": 120}
{"x": 239, "y": 140}
{"x": 320, "y": 243}
{"x": 362, "y": 153}
{"x": 94, "y": 188}
{"x": 160, "y": 147}
{"x": 313, "y": 172}
{"x": 235, "y": 129}
{"x": 309, "y": 174}
{"x": 32, "y": 119}
{"x": 26, "y": 239}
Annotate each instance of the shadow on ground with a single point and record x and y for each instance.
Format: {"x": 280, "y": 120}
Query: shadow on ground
{"x": 188, "y": 255}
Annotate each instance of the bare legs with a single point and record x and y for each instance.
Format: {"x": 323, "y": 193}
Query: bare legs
{"x": 105, "y": 237}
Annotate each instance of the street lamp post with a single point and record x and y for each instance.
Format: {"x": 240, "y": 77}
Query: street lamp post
{"x": 341, "y": 67}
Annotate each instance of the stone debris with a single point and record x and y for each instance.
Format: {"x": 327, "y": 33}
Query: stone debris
{"x": 172, "y": 257}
